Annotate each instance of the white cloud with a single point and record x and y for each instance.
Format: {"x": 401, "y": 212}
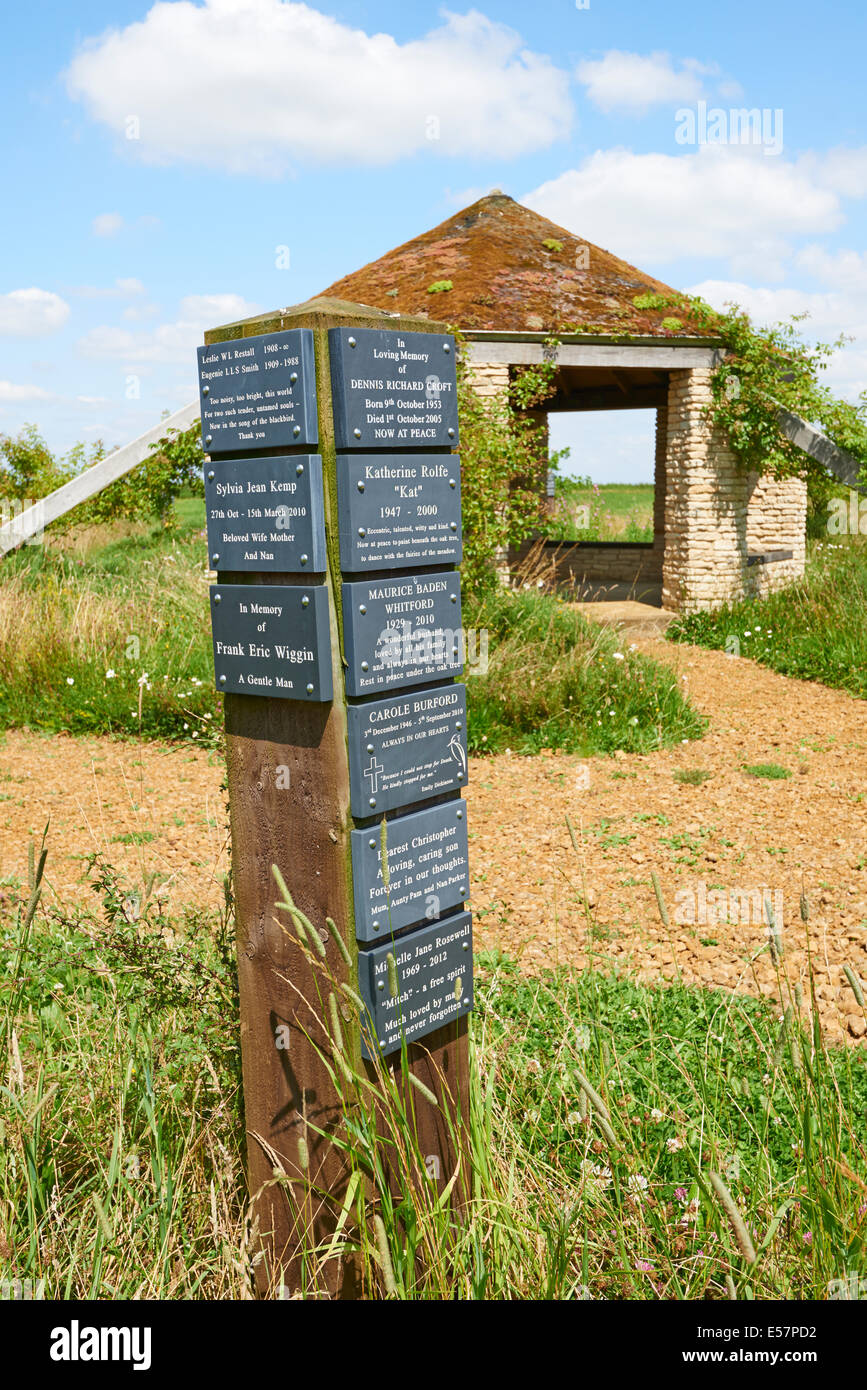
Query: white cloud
{"x": 167, "y": 342}
{"x": 722, "y": 201}
{"x": 254, "y": 86}
{"x": 11, "y": 391}
{"x": 125, "y": 288}
{"x": 635, "y": 82}
{"x": 830, "y": 313}
{"x": 31, "y": 313}
{"x": 106, "y": 224}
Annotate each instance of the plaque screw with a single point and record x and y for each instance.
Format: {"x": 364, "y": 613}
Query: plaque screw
{"x": 215, "y": 558}
{"x": 222, "y": 680}
{"x": 453, "y": 525}
{"x": 460, "y": 815}
{"x": 452, "y": 482}
{"x": 453, "y": 597}
{"x": 447, "y": 347}
{"x": 370, "y": 749}
{"x": 299, "y": 470}
{"x": 372, "y": 844}
{"x": 357, "y": 433}
{"x": 206, "y": 390}
{"x": 466, "y": 945}
{"x": 305, "y": 602}
{"x": 310, "y": 690}
{"x": 208, "y": 438}
{"x": 364, "y": 666}
{"x": 304, "y": 559}
{"x": 362, "y": 532}
{"x": 293, "y": 378}
{"x": 459, "y": 726}
{"x": 375, "y": 926}
{"x": 296, "y": 429}
{"x": 372, "y": 801}
{"x": 362, "y": 608}
{"x": 381, "y": 984}
{"x": 360, "y": 485}
{"x": 351, "y": 342}
{"x": 451, "y": 433}
{"x": 218, "y": 598}
{"x": 211, "y": 476}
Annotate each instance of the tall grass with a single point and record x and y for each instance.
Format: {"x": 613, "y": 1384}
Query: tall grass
{"x": 627, "y": 1142}
{"x": 816, "y": 629}
{"x": 113, "y": 636}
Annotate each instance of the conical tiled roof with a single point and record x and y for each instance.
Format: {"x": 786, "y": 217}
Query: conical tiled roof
{"x": 511, "y": 271}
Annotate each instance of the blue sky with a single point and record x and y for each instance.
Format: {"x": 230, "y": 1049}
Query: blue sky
{"x": 340, "y": 131}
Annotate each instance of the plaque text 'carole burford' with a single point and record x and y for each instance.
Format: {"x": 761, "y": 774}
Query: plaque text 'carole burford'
{"x": 266, "y": 514}
{"x": 393, "y": 390}
{"x": 272, "y": 639}
{"x": 406, "y": 748}
{"x": 258, "y": 393}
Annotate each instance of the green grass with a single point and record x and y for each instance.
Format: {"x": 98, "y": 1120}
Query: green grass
{"x": 772, "y": 771}
{"x": 692, "y": 776}
{"x": 603, "y": 1116}
{"x": 616, "y": 511}
{"x": 815, "y": 630}
{"x": 556, "y": 680}
{"x": 112, "y": 635}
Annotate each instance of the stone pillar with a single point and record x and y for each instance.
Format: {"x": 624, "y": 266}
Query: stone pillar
{"x": 659, "y": 484}
{"x": 776, "y": 520}
{"x": 705, "y": 502}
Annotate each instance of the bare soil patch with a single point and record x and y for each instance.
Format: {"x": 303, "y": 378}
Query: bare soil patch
{"x": 152, "y": 808}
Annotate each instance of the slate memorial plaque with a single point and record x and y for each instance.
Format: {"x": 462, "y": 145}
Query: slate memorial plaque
{"x": 428, "y": 870}
{"x": 401, "y": 631}
{"x": 272, "y": 639}
{"x": 434, "y": 968}
{"x": 398, "y": 510}
{"x": 258, "y": 393}
{"x": 266, "y": 514}
{"x": 406, "y": 748}
{"x": 393, "y": 390}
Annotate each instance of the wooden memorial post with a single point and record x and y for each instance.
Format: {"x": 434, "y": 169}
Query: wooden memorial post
{"x": 334, "y": 525}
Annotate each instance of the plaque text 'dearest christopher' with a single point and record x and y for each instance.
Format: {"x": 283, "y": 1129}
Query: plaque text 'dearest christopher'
{"x": 428, "y": 870}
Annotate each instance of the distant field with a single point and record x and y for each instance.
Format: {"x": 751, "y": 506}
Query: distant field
{"x": 614, "y": 510}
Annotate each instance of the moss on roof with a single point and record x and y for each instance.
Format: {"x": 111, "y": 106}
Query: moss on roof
{"x": 500, "y": 267}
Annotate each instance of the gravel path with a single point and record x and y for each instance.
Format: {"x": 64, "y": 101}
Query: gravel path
{"x": 719, "y": 848}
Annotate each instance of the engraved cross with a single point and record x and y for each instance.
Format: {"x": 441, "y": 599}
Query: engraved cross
{"x": 373, "y": 772}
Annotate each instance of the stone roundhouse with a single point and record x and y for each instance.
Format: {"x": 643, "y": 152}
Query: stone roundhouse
{"x": 512, "y": 280}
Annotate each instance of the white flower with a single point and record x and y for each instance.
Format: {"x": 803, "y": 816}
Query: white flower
{"x": 636, "y": 1183}
{"x": 618, "y": 656}
{"x": 634, "y": 719}
{"x": 70, "y": 680}
{"x": 673, "y": 1145}
{"x": 110, "y": 675}
{"x": 656, "y": 1115}
{"x": 748, "y": 634}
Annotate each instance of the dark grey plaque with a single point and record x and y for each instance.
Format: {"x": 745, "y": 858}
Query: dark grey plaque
{"x": 257, "y": 393}
{"x": 406, "y": 748}
{"x": 398, "y": 510}
{"x": 428, "y": 870}
{"x": 393, "y": 390}
{"x": 266, "y": 514}
{"x": 402, "y": 630}
{"x": 272, "y": 639}
{"x": 434, "y": 967}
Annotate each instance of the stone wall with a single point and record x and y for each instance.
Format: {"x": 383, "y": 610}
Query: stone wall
{"x": 593, "y": 564}
{"x": 776, "y": 520}
{"x": 489, "y": 378}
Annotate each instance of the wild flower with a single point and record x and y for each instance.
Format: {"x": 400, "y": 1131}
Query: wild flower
{"x": 637, "y": 1183}
{"x": 110, "y": 674}
{"x": 70, "y": 680}
{"x": 673, "y": 1145}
